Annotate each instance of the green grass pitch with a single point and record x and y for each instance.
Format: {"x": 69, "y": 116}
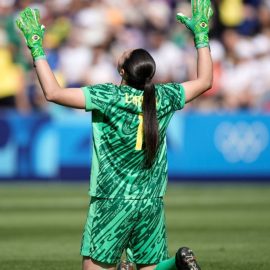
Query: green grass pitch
{"x": 227, "y": 226}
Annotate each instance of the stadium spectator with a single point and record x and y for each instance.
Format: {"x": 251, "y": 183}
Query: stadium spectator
{"x": 12, "y": 90}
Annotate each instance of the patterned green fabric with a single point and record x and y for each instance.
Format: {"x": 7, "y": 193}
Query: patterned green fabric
{"x": 118, "y": 157}
{"x": 199, "y": 23}
{"x": 33, "y": 31}
{"x": 113, "y": 225}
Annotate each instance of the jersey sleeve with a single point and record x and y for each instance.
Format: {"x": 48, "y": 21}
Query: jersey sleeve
{"x": 175, "y": 93}
{"x": 97, "y": 97}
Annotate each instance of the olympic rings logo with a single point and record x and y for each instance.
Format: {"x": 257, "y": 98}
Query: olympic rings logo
{"x": 242, "y": 141}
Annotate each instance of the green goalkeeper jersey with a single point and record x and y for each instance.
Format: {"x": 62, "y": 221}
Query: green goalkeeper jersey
{"x": 118, "y": 169}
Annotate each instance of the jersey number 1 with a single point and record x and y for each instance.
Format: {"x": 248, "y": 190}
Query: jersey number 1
{"x": 139, "y": 141}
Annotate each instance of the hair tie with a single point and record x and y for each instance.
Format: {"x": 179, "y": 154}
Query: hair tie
{"x": 148, "y": 80}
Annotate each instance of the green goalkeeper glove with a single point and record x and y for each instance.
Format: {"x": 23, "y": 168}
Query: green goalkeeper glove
{"x": 199, "y": 23}
{"x": 33, "y": 31}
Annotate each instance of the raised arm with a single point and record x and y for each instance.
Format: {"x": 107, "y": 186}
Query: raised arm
{"x": 33, "y": 32}
{"x": 199, "y": 26}
{"x": 71, "y": 97}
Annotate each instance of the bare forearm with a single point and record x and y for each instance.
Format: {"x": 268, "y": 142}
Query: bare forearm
{"x": 205, "y": 67}
{"x": 47, "y": 80}
{"x": 204, "y": 79}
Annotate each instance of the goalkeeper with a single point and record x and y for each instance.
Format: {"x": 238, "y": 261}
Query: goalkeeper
{"x": 129, "y": 166}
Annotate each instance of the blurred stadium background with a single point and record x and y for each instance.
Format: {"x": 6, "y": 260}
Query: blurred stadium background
{"x": 224, "y": 136}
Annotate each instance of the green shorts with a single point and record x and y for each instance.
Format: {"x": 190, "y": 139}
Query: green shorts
{"x": 114, "y": 225}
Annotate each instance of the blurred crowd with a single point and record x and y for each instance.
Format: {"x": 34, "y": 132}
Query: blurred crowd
{"x": 84, "y": 39}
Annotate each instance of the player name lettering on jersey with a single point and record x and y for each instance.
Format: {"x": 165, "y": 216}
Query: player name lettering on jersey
{"x": 136, "y": 100}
